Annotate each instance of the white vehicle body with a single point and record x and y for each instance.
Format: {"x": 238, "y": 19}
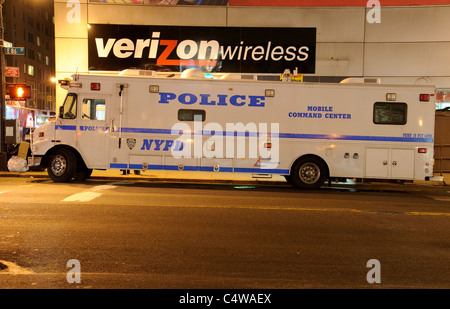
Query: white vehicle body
{"x": 315, "y": 131}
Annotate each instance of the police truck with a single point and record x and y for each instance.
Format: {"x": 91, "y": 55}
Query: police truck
{"x": 235, "y": 123}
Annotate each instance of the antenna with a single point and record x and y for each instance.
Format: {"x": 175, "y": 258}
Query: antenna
{"x": 427, "y": 79}
{"x": 76, "y": 74}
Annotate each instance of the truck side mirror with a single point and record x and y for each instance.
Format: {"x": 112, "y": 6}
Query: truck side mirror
{"x": 61, "y": 112}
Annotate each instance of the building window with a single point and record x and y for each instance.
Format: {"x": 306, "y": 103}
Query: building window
{"x": 30, "y": 54}
{"x": 30, "y": 37}
{"x": 442, "y": 99}
{"x": 30, "y": 21}
{"x": 30, "y": 70}
{"x": 390, "y": 113}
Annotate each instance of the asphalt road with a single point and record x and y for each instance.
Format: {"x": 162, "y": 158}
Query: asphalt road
{"x": 103, "y": 234}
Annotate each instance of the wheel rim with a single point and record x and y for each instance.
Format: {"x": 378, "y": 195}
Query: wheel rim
{"x": 59, "y": 165}
{"x": 309, "y": 173}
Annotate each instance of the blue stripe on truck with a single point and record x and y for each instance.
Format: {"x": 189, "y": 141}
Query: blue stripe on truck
{"x": 284, "y": 135}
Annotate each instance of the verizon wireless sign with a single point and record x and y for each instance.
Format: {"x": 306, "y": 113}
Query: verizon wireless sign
{"x": 213, "y": 49}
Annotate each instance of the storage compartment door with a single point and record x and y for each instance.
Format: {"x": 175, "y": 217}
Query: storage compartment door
{"x": 402, "y": 164}
{"x": 377, "y": 163}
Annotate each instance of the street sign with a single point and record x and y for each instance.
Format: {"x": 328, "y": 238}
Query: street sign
{"x": 15, "y": 51}
{"x": 12, "y": 72}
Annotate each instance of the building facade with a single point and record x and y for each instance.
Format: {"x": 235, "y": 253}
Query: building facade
{"x": 30, "y": 24}
{"x": 403, "y": 42}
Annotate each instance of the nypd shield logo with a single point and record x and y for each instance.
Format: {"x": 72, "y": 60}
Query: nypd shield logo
{"x": 131, "y": 142}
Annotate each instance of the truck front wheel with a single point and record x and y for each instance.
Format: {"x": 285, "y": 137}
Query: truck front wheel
{"x": 83, "y": 173}
{"x": 62, "y": 165}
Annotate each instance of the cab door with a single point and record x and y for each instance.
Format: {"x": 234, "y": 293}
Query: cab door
{"x": 93, "y": 131}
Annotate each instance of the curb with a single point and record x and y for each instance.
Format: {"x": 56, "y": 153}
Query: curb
{"x": 191, "y": 180}
{"x": 153, "y": 179}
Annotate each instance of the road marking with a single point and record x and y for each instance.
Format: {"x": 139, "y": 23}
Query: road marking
{"x": 440, "y": 198}
{"x": 280, "y": 208}
{"x": 14, "y": 269}
{"x": 103, "y": 187}
{"x": 417, "y": 213}
{"x": 88, "y": 196}
{"x": 82, "y": 197}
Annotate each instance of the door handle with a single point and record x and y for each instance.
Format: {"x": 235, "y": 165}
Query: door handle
{"x": 385, "y": 162}
{"x": 394, "y": 163}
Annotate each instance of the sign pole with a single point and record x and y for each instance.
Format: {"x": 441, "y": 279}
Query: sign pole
{"x": 3, "y": 155}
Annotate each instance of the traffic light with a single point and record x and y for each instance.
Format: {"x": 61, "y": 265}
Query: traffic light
{"x": 19, "y": 92}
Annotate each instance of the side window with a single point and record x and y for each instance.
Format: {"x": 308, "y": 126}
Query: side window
{"x": 69, "y": 108}
{"x": 93, "y": 109}
{"x": 390, "y": 113}
{"x": 191, "y": 114}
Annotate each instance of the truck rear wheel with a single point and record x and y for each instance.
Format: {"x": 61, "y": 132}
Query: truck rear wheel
{"x": 308, "y": 173}
{"x": 62, "y": 165}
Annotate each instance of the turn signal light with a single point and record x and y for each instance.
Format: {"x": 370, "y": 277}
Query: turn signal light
{"x": 95, "y": 86}
{"x": 424, "y": 97}
{"x": 422, "y": 150}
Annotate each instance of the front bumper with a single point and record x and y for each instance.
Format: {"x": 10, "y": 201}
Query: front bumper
{"x": 34, "y": 161}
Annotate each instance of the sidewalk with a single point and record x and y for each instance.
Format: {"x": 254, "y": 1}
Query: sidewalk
{"x": 165, "y": 176}
{"x": 196, "y": 177}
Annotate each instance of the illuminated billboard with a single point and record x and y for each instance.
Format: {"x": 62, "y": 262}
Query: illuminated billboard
{"x": 166, "y": 2}
{"x": 335, "y": 3}
{"x": 211, "y": 49}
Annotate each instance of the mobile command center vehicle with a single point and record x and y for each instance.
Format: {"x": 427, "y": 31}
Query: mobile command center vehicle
{"x": 307, "y": 132}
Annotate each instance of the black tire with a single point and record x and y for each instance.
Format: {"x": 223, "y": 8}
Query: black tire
{"x": 309, "y": 173}
{"x": 62, "y": 165}
{"x": 83, "y": 174}
{"x": 289, "y": 179}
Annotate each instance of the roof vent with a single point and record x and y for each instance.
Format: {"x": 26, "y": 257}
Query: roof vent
{"x": 193, "y": 73}
{"x": 361, "y": 80}
{"x": 133, "y": 72}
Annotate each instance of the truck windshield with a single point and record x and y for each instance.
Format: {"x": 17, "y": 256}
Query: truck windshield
{"x": 69, "y": 109}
